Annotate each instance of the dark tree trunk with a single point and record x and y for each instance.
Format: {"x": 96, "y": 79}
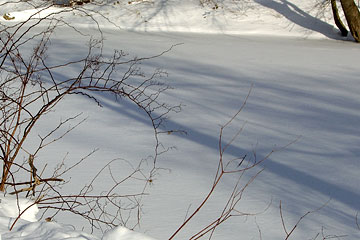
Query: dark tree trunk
{"x": 338, "y": 22}
{"x": 352, "y": 16}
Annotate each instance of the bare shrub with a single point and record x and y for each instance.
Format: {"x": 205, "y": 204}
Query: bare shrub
{"x": 30, "y": 90}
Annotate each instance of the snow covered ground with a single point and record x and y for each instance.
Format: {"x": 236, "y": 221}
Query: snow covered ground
{"x": 249, "y": 17}
{"x": 29, "y": 228}
{"x": 305, "y": 88}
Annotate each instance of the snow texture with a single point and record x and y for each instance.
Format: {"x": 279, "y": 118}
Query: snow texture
{"x": 305, "y": 79}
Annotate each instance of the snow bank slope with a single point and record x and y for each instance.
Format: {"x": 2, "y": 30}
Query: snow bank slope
{"x": 260, "y": 17}
{"x": 28, "y": 228}
{"x": 46, "y": 230}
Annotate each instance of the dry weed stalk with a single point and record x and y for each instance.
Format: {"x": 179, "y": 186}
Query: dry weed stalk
{"x": 224, "y": 169}
{"x": 289, "y": 232}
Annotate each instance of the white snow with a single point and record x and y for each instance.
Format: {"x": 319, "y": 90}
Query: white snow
{"x": 305, "y": 79}
{"x": 253, "y": 17}
{"x": 12, "y": 207}
{"x": 30, "y": 228}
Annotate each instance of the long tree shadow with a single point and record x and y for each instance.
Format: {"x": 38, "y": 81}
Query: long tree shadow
{"x": 283, "y": 171}
{"x": 288, "y": 173}
{"x": 300, "y": 17}
{"x": 312, "y": 116}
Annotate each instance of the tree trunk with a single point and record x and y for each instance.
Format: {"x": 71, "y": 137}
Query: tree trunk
{"x": 352, "y": 16}
{"x": 337, "y": 19}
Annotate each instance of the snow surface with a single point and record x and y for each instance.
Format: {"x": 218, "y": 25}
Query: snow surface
{"x": 251, "y": 17}
{"x": 29, "y": 228}
{"x": 305, "y": 88}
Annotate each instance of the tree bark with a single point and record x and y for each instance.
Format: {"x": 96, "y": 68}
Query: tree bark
{"x": 337, "y": 19}
{"x": 352, "y": 16}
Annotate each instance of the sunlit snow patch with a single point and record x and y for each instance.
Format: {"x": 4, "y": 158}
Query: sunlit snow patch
{"x": 29, "y": 228}
{"x": 25, "y": 15}
{"x": 11, "y": 207}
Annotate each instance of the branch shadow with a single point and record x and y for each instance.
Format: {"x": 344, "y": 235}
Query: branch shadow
{"x": 157, "y": 8}
{"x": 301, "y": 18}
